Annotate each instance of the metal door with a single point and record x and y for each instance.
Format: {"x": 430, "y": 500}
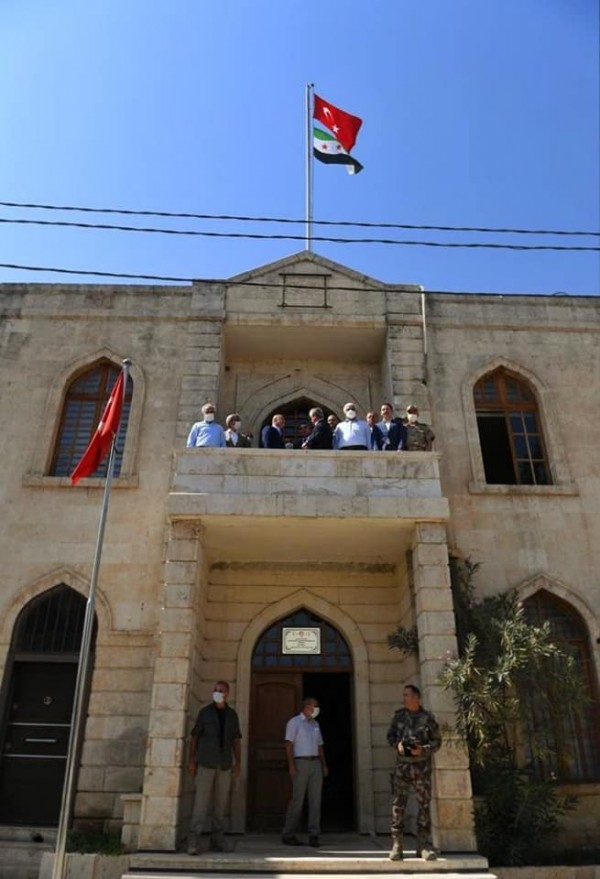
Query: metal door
{"x": 32, "y": 764}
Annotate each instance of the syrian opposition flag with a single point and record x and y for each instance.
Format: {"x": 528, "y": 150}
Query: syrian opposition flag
{"x": 335, "y": 147}
{"x": 106, "y": 431}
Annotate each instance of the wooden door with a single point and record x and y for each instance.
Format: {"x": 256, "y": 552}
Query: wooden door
{"x": 275, "y": 698}
{"x": 34, "y": 752}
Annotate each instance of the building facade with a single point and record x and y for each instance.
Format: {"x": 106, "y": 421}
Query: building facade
{"x": 210, "y": 554}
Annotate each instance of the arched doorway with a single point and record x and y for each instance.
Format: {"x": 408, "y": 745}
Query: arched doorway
{"x": 37, "y": 702}
{"x": 296, "y": 415}
{"x": 279, "y": 682}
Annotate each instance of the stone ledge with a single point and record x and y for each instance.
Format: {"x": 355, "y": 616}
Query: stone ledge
{"x": 565, "y": 490}
{"x": 34, "y": 480}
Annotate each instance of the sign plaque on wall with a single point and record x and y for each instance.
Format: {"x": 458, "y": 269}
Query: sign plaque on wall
{"x": 301, "y": 640}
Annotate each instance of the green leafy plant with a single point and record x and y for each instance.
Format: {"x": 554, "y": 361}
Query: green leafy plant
{"x": 404, "y": 640}
{"x": 495, "y": 679}
{"x": 93, "y": 841}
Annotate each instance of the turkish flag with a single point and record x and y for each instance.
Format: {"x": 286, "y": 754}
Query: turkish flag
{"x": 104, "y": 434}
{"x": 341, "y": 124}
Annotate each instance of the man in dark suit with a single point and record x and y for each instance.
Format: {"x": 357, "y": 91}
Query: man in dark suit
{"x": 272, "y": 434}
{"x": 392, "y": 429}
{"x": 320, "y": 438}
{"x": 377, "y": 439}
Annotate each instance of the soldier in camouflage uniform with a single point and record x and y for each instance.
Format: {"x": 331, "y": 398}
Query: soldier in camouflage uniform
{"x": 419, "y": 436}
{"x": 415, "y": 736}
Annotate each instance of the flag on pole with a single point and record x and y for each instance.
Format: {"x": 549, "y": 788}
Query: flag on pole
{"x": 329, "y": 150}
{"x": 105, "y": 433}
{"x": 344, "y": 128}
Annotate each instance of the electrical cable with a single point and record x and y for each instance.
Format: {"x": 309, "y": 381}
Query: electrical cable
{"x": 281, "y": 237}
{"x": 256, "y": 219}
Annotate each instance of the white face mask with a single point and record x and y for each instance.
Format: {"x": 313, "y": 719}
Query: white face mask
{"x": 218, "y": 697}
{"x": 351, "y": 414}
{"x": 315, "y": 713}
{"x": 237, "y": 425}
{"x": 412, "y": 417}
{"x": 210, "y": 416}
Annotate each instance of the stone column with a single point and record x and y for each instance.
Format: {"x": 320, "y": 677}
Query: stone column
{"x": 167, "y": 730}
{"x": 452, "y": 798}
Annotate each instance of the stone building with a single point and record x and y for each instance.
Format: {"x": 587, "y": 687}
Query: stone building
{"x": 210, "y": 554}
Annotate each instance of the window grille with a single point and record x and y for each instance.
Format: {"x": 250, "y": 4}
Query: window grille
{"x": 51, "y": 623}
{"x": 334, "y": 655}
{"x": 572, "y": 739}
{"x": 84, "y": 404}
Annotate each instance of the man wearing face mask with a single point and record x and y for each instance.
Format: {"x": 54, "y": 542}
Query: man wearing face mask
{"x": 419, "y": 436}
{"x": 233, "y": 437}
{"x": 207, "y": 433}
{"x": 214, "y": 758}
{"x": 352, "y": 434}
{"x": 307, "y": 768}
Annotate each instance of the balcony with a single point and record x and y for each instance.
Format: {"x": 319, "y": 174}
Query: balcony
{"x": 303, "y": 484}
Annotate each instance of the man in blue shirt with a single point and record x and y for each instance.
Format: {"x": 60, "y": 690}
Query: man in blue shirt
{"x": 207, "y": 433}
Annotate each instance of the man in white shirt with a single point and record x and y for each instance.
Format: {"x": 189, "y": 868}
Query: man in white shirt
{"x": 353, "y": 434}
{"x": 307, "y": 768}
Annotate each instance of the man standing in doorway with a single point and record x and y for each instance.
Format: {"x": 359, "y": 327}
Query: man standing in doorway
{"x": 415, "y": 736}
{"x": 307, "y": 768}
{"x": 214, "y": 758}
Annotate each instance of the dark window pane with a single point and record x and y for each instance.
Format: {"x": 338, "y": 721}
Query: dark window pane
{"x": 495, "y": 449}
{"x": 505, "y": 425}
{"x": 520, "y": 446}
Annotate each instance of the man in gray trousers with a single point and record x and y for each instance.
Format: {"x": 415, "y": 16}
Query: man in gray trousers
{"x": 214, "y": 758}
{"x": 307, "y": 768}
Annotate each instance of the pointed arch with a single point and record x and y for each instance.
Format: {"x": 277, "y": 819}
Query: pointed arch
{"x": 50, "y": 423}
{"x": 288, "y": 388}
{"x": 333, "y": 614}
{"x": 556, "y": 587}
{"x": 573, "y": 737}
{"x": 36, "y": 588}
{"x": 545, "y": 410}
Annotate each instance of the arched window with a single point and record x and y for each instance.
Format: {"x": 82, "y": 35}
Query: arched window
{"x": 296, "y": 415}
{"x": 84, "y": 403}
{"x": 510, "y": 433}
{"x": 572, "y": 739}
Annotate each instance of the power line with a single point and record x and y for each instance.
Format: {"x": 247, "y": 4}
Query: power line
{"x": 281, "y": 237}
{"x": 256, "y": 219}
{"x": 391, "y": 287}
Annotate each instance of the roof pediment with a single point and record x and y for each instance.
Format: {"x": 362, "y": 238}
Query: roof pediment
{"x": 306, "y": 262}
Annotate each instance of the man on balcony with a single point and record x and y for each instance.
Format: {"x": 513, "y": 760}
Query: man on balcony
{"x": 207, "y": 433}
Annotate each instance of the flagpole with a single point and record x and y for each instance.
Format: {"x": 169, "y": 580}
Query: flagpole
{"x": 309, "y": 181}
{"x": 77, "y": 718}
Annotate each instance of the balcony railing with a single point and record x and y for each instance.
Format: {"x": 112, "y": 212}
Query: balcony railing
{"x": 266, "y": 482}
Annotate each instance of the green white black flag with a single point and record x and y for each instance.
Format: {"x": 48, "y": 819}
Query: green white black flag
{"x": 329, "y": 150}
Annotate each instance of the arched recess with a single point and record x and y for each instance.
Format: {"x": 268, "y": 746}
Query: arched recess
{"x": 556, "y": 587}
{"x": 349, "y": 630}
{"x": 44, "y": 448}
{"x": 291, "y": 387}
{"x": 42, "y": 584}
{"x": 572, "y": 738}
{"x": 36, "y": 704}
{"x": 546, "y": 410}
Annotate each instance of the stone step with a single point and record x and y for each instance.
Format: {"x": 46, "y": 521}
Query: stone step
{"x": 152, "y": 866}
{"x": 21, "y": 859}
{"x": 402, "y": 869}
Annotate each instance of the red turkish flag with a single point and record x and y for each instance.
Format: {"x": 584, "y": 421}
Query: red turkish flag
{"x": 342, "y": 125}
{"x": 102, "y": 439}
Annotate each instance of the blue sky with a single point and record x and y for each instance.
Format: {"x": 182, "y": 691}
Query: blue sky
{"x": 475, "y": 114}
